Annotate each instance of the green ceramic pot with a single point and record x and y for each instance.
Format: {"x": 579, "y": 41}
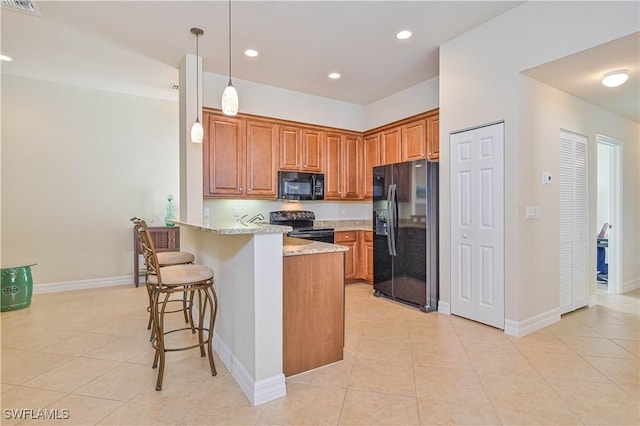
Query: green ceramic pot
{"x": 17, "y": 287}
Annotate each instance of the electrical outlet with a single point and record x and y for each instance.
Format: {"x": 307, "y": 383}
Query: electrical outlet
{"x": 206, "y": 212}
{"x": 236, "y": 211}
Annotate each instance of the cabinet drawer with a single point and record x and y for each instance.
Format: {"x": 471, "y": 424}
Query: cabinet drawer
{"x": 345, "y": 236}
{"x": 368, "y": 236}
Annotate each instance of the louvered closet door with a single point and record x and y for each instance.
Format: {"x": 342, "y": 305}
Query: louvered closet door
{"x": 574, "y": 222}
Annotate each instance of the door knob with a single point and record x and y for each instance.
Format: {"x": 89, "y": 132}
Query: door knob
{"x": 464, "y": 236}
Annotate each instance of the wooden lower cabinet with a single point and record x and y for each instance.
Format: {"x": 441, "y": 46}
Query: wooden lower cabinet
{"x": 367, "y": 256}
{"x": 349, "y": 239}
{"x": 313, "y": 311}
{"x": 358, "y": 261}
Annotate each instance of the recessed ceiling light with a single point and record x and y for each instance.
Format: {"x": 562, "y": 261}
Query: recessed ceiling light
{"x": 5, "y": 58}
{"x": 404, "y": 34}
{"x": 334, "y": 75}
{"x": 251, "y": 53}
{"x": 615, "y": 78}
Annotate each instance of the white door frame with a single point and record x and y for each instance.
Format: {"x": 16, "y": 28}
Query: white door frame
{"x": 616, "y": 232}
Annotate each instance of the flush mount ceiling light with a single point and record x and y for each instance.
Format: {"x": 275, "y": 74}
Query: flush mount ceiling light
{"x": 615, "y": 78}
{"x": 251, "y": 53}
{"x": 230, "y": 94}
{"x": 334, "y": 75}
{"x": 404, "y": 34}
{"x": 197, "y": 132}
{"x": 5, "y": 58}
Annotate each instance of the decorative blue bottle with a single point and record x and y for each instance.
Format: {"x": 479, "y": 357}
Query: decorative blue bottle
{"x": 170, "y": 214}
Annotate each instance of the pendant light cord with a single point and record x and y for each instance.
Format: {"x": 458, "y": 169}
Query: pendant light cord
{"x": 229, "y": 41}
{"x": 197, "y": 78}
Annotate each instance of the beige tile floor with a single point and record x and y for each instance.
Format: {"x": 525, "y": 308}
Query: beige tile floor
{"x": 86, "y": 354}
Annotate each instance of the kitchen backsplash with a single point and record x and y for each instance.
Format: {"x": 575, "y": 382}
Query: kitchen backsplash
{"x": 224, "y": 210}
{"x": 346, "y": 223}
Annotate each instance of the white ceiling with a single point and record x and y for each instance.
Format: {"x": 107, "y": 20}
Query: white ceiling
{"x": 580, "y": 75}
{"x": 137, "y": 47}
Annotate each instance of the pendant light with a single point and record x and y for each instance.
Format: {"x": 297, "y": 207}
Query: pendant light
{"x": 230, "y": 95}
{"x": 197, "y": 132}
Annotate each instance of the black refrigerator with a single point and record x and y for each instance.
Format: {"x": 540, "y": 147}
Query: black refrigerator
{"x": 405, "y": 233}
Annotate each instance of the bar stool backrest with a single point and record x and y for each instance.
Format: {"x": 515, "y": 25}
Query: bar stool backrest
{"x": 148, "y": 249}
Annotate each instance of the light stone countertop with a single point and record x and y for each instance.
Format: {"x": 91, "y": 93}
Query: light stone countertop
{"x": 298, "y": 247}
{"x": 236, "y": 228}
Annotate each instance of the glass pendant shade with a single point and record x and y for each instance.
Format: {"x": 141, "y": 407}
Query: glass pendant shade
{"x": 197, "y": 132}
{"x": 230, "y": 100}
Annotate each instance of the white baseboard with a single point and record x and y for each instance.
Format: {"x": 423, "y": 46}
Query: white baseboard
{"x": 444, "y": 307}
{"x": 535, "y": 323}
{"x": 258, "y": 392}
{"x": 82, "y": 284}
{"x": 631, "y": 285}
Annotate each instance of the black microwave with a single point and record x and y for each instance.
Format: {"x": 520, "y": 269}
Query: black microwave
{"x": 300, "y": 186}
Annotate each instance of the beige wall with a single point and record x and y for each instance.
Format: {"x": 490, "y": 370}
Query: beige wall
{"x": 77, "y": 163}
{"x": 480, "y": 83}
{"x": 544, "y": 112}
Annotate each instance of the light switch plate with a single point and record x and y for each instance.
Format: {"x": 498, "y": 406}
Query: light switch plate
{"x": 546, "y": 178}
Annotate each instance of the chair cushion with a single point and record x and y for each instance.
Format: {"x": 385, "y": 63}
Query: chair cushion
{"x": 182, "y": 274}
{"x": 168, "y": 258}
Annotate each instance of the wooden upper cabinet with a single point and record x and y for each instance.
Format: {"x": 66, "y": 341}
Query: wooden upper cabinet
{"x": 223, "y": 156}
{"x": 414, "y": 141}
{"x": 290, "y": 144}
{"x": 433, "y": 138}
{"x": 311, "y": 151}
{"x": 351, "y": 154}
{"x": 370, "y": 159}
{"x": 300, "y": 149}
{"x": 333, "y": 166}
{"x": 343, "y": 153}
{"x": 262, "y": 159}
{"x": 390, "y": 142}
{"x": 242, "y": 155}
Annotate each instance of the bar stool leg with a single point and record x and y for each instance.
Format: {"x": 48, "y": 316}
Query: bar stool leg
{"x": 213, "y": 301}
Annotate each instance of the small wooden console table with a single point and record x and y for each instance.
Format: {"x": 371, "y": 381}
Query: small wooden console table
{"x": 165, "y": 238}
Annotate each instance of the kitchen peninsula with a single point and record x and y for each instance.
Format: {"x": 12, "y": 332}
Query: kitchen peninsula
{"x": 249, "y": 281}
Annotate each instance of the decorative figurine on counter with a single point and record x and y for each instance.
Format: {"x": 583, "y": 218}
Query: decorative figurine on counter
{"x": 170, "y": 214}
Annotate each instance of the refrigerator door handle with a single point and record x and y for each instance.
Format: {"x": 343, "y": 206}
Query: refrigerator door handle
{"x": 393, "y": 216}
{"x": 390, "y": 220}
{"x": 395, "y": 220}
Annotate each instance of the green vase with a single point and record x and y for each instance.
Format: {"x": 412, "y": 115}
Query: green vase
{"x": 170, "y": 214}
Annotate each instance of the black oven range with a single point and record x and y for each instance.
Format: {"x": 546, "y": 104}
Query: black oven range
{"x": 302, "y": 223}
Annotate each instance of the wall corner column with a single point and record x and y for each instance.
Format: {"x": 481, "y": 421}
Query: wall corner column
{"x": 191, "y": 203}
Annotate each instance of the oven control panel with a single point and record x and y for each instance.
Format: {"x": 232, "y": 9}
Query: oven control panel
{"x": 283, "y": 215}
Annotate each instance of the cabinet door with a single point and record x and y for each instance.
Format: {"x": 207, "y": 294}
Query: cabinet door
{"x": 351, "y": 166}
{"x": 223, "y": 156}
{"x": 348, "y": 239}
{"x": 390, "y": 145}
{"x": 368, "y": 261}
{"x": 371, "y": 159}
{"x": 262, "y": 159}
{"x": 414, "y": 141}
{"x": 333, "y": 168}
{"x": 433, "y": 138}
{"x": 311, "y": 150}
{"x": 289, "y": 138}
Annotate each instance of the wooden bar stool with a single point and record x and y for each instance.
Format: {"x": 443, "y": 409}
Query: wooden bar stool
{"x": 196, "y": 283}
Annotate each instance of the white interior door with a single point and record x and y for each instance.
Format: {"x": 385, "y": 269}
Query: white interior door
{"x": 477, "y": 224}
{"x": 574, "y": 222}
